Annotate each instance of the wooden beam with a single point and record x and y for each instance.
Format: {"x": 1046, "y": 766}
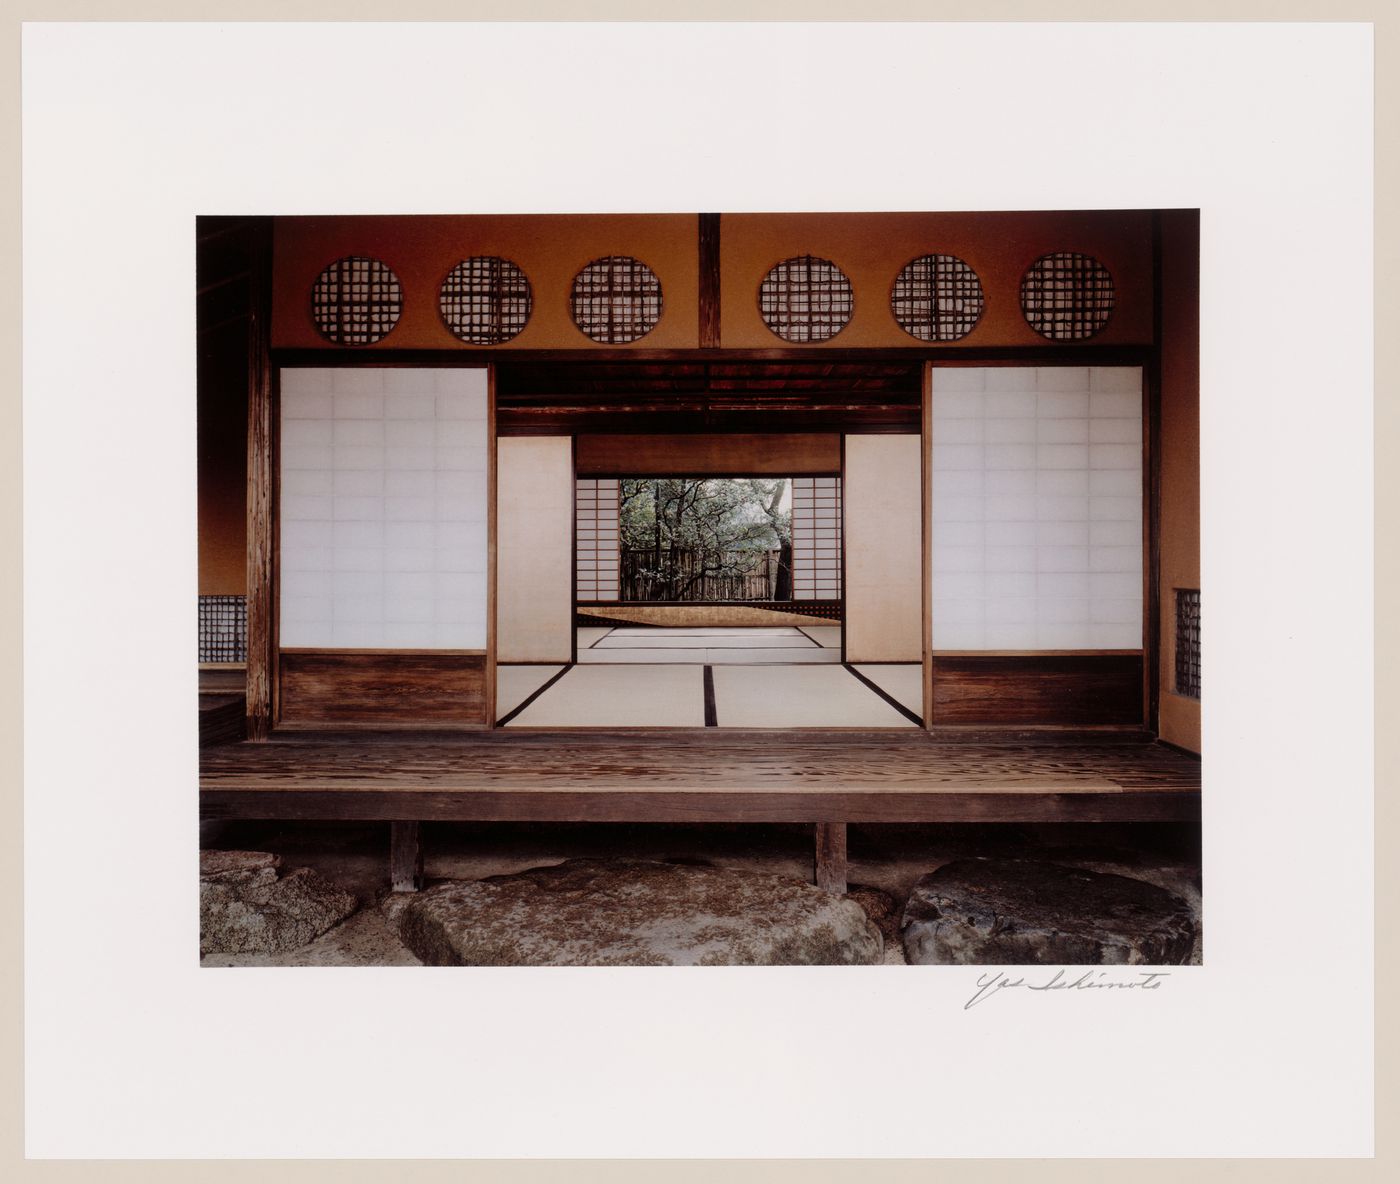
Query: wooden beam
{"x": 261, "y": 500}
{"x": 405, "y": 856}
{"x": 1087, "y": 354}
{"x": 788, "y": 454}
{"x": 620, "y": 805}
{"x": 709, "y": 281}
{"x": 830, "y": 861}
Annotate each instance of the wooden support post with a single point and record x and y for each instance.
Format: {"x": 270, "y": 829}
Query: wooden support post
{"x": 405, "y": 857}
{"x": 261, "y": 499}
{"x": 830, "y": 863}
{"x": 709, "y": 281}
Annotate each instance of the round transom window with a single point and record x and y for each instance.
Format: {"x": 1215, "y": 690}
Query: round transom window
{"x": 1066, "y": 296}
{"x": 937, "y": 298}
{"x": 616, "y": 300}
{"x": 356, "y": 301}
{"x": 485, "y": 300}
{"x": 805, "y": 299}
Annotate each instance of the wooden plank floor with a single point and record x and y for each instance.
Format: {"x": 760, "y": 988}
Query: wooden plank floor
{"x": 694, "y": 775}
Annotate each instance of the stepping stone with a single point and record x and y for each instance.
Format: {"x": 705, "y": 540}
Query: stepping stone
{"x": 245, "y": 907}
{"x": 1009, "y": 912}
{"x": 597, "y": 912}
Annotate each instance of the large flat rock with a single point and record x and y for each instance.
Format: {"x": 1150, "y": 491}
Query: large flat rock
{"x": 245, "y": 907}
{"x": 594, "y": 912}
{"x": 1012, "y": 912}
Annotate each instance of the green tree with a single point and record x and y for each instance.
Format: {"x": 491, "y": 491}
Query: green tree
{"x": 686, "y": 531}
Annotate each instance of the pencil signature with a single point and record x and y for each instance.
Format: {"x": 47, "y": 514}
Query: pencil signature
{"x": 991, "y": 985}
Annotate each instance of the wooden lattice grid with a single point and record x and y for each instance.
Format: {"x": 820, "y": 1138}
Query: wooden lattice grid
{"x": 356, "y": 301}
{"x": 1188, "y": 642}
{"x": 223, "y": 629}
{"x": 1067, "y": 296}
{"x": 615, "y": 300}
{"x": 485, "y": 300}
{"x": 937, "y": 298}
{"x": 806, "y": 299}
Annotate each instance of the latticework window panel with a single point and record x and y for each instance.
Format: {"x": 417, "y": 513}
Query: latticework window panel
{"x": 1067, "y": 296}
{"x": 806, "y": 299}
{"x": 937, "y": 298}
{"x": 816, "y": 538}
{"x": 223, "y": 629}
{"x": 356, "y": 301}
{"x": 616, "y": 300}
{"x": 485, "y": 300}
{"x": 1188, "y": 642}
{"x": 596, "y": 539}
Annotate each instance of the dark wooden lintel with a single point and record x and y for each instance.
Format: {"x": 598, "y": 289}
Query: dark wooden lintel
{"x": 912, "y": 355}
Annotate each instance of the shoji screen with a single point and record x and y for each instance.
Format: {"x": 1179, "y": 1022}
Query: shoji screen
{"x": 816, "y": 538}
{"x": 383, "y": 506}
{"x": 1036, "y": 508}
{"x": 596, "y": 538}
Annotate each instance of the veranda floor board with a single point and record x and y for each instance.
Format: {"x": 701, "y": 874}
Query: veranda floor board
{"x": 694, "y": 774}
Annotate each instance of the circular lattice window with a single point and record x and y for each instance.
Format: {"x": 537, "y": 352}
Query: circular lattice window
{"x": 356, "y": 301}
{"x": 1066, "y": 296}
{"x": 805, "y": 299}
{"x": 616, "y": 300}
{"x": 937, "y": 298}
{"x": 485, "y": 300}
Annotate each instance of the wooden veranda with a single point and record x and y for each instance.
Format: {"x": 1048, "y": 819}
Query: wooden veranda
{"x": 827, "y": 779}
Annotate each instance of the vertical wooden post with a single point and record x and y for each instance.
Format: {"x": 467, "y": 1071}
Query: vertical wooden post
{"x": 709, "y": 281}
{"x": 830, "y": 862}
{"x": 405, "y": 857}
{"x": 260, "y": 503}
{"x": 926, "y": 557}
{"x": 1152, "y": 498}
{"x": 489, "y": 697}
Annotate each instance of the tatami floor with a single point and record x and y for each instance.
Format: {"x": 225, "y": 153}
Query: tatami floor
{"x": 746, "y": 646}
{"x": 780, "y": 677}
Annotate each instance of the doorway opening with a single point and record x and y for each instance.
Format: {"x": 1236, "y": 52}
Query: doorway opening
{"x": 705, "y": 601}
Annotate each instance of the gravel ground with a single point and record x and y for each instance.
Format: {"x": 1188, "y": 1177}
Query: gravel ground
{"x": 887, "y": 858}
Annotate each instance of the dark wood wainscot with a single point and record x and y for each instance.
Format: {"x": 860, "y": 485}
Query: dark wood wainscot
{"x": 384, "y": 689}
{"x": 1045, "y": 690}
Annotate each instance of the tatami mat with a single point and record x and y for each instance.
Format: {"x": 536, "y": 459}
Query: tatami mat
{"x": 901, "y": 681}
{"x": 824, "y": 635}
{"x": 703, "y": 646}
{"x": 675, "y": 640}
{"x": 515, "y": 684}
{"x": 588, "y": 634}
{"x": 734, "y": 656}
{"x": 799, "y": 697}
{"x": 611, "y": 696}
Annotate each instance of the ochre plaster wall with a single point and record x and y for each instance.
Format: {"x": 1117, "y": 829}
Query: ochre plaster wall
{"x": 872, "y": 249}
{"x": 551, "y": 249}
{"x": 534, "y": 549}
{"x": 1179, "y": 718}
{"x": 883, "y": 493}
